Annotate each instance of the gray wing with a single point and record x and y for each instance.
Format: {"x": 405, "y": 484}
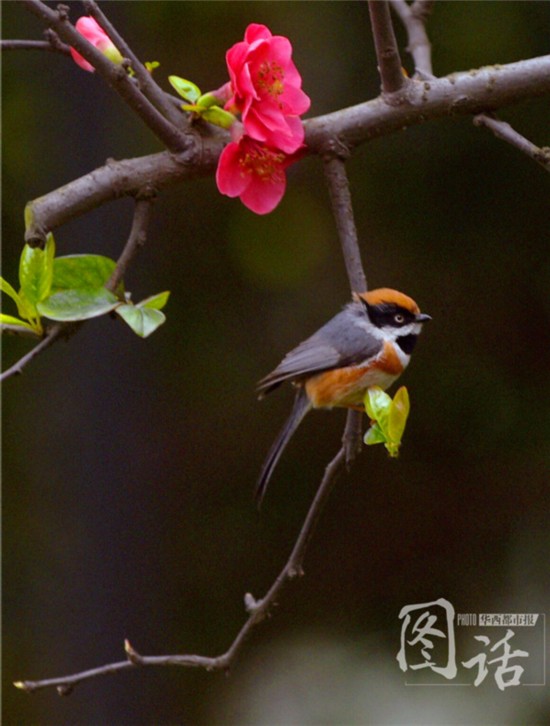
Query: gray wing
{"x": 337, "y": 344}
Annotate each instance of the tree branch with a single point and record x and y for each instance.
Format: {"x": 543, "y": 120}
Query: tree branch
{"x": 420, "y": 48}
{"x": 138, "y": 234}
{"x": 459, "y": 94}
{"x": 342, "y": 209}
{"x": 47, "y": 45}
{"x": 114, "y": 180}
{"x": 463, "y": 93}
{"x": 502, "y": 130}
{"x": 146, "y": 83}
{"x": 387, "y": 52}
{"x": 414, "y": 18}
{"x": 257, "y": 609}
{"x": 340, "y": 196}
{"x": 115, "y": 76}
{"x": 57, "y": 331}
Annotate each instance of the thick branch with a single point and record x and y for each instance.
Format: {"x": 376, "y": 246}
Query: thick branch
{"x": 413, "y": 18}
{"x": 258, "y": 609}
{"x": 114, "y": 180}
{"x": 463, "y": 93}
{"x": 115, "y": 76}
{"x": 459, "y": 94}
{"x": 387, "y": 52}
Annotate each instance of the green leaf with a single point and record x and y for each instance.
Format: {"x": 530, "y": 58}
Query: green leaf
{"x": 186, "y": 89}
{"x": 155, "y": 302}
{"x": 8, "y": 289}
{"x": 374, "y": 435}
{"x": 388, "y": 418}
{"x": 218, "y": 116}
{"x": 69, "y": 305}
{"x": 36, "y": 271}
{"x": 151, "y": 65}
{"x": 377, "y": 404}
{"x": 10, "y": 320}
{"x": 399, "y": 412}
{"x": 207, "y": 100}
{"x": 81, "y": 272}
{"x": 142, "y": 320}
{"x": 26, "y": 308}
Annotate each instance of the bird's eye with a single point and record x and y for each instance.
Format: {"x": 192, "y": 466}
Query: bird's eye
{"x": 399, "y": 318}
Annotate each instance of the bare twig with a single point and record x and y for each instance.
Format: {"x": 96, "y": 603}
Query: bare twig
{"x": 35, "y": 45}
{"x": 146, "y": 82}
{"x": 116, "y": 77}
{"x": 56, "y": 332}
{"x": 502, "y": 130}
{"x": 342, "y": 209}
{"x": 18, "y": 331}
{"x": 414, "y": 19}
{"x": 338, "y": 184}
{"x": 257, "y": 609}
{"x": 136, "y": 239}
{"x": 387, "y": 52}
{"x": 422, "y": 9}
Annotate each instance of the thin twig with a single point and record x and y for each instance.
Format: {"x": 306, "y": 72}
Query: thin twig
{"x": 56, "y": 332}
{"x": 414, "y": 19}
{"x": 136, "y": 240}
{"x": 19, "y": 331}
{"x": 342, "y": 210}
{"x": 34, "y": 45}
{"x": 146, "y": 82}
{"x": 116, "y": 77}
{"x": 387, "y": 52}
{"x": 258, "y": 609}
{"x": 502, "y": 130}
{"x": 340, "y": 196}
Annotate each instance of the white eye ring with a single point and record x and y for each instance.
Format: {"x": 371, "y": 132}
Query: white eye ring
{"x": 399, "y": 318}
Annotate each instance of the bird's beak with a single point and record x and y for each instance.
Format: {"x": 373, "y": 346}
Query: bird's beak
{"x": 423, "y": 318}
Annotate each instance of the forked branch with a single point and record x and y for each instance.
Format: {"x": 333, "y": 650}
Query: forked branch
{"x": 414, "y": 18}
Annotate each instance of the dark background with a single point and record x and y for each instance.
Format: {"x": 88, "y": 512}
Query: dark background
{"x": 129, "y": 465}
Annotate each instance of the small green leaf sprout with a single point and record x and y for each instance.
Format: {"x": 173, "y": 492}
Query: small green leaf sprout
{"x": 388, "y": 418}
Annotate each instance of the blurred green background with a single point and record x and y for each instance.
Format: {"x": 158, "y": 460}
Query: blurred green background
{"x": 129, "y": 465}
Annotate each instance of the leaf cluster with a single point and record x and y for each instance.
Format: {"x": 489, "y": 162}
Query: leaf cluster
{"x": 73, "y": 288}
{"x": 388, "y": 418}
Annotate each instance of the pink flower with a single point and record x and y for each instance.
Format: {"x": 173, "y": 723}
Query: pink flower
{"x": 267, "y": 89}
{"x": 95, "y": 35}
{"x": 253, "y": 172}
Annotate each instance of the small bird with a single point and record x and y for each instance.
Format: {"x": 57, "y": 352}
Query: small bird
{"x": 369, "y": 343}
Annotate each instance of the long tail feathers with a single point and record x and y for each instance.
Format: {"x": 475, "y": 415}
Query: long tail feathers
{"x": 299, "y": 410}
